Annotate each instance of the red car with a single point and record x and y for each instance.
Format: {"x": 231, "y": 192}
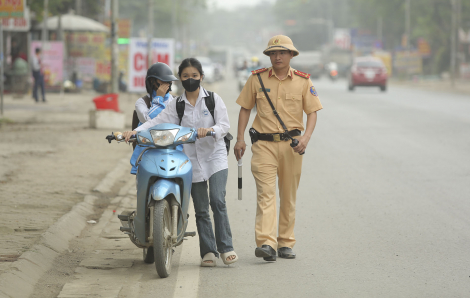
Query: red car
{"x": 368, "y": 71}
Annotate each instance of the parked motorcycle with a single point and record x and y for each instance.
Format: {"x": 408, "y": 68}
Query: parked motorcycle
{"x": 164, "y": 179}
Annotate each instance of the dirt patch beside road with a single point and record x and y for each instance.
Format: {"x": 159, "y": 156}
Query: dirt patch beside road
{"x": 49, "y": 159}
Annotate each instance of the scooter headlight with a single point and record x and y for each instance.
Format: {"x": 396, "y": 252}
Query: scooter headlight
{"x": 185, "y": 137}
{"x": 163, "y": 137}
{"x": 144, "y": 141}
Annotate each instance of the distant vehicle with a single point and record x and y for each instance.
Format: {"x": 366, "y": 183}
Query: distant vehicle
{"x": 209, "y": 69}
{"x": 368, "y": 71}
{"x": 309, "y": 62}
{"x": 242, "y": 77}
{"x": 342, "y": 57}
{"x": 332, "y": 69}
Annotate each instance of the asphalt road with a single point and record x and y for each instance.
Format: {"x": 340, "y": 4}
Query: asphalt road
{"x": 382, "y": 209}
{"x": 383, "y": 203}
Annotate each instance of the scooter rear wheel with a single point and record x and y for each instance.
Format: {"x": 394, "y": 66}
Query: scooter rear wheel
{"x": 162, "y": 244}
{"x": 148, "y": 255}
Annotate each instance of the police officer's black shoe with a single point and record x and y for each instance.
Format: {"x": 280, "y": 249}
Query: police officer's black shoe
{"x": 286, "y": 253}
{"x": 266, "y": 252}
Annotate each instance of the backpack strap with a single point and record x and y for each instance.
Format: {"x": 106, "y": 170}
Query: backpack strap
{"x": 210, "y": 103}
{"x": 146, "y": 98}
{"x": 135, "y": 118}
{"x": 180, "y": 105}
{"x": 209, "y": 100}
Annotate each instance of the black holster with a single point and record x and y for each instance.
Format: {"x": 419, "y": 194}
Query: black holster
{"x": 253, "y": 135}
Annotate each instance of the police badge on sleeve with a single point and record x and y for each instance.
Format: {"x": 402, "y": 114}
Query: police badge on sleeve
{"x": 313, "y": 91}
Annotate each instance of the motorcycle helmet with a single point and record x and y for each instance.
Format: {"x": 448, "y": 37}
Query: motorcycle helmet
{"x": 159, "y": 71}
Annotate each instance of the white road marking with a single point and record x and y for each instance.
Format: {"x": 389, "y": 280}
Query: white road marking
{"x": 187, "y": 281}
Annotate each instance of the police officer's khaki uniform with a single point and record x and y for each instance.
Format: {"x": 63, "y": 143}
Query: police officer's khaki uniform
{"x": 291, "y": 97}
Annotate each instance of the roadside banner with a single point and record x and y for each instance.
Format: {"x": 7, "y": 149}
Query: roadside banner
{"x": 408, "y": 62}
{"x": 386, "y": 58}
{"x": 162, "y": 51}
{"x": 423, "y": 48}
{"x": 18, "y": 23}
{"x": 12, "y": 8}
{"x": 52, "y": 59}
{"x": 342, "y": 38}
{"x": 124, "y": 27}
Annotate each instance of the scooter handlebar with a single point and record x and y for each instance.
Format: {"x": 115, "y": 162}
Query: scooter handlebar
{"x": 117, "y": 136}
{"x": 209, "y": 134}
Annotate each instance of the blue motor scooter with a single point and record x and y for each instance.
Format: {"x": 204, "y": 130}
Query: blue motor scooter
{"x": 164, "y": 179}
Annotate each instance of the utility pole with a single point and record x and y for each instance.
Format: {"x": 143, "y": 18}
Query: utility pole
{"x": 1, "y": 68}
{"x": 453, "y": 42}
{"x": 60, "y": 36}
{"x": 44, "y": 25}
{"x": 407, "y": 23}
{"x": 78, "y": 7}
{"x": 114, "y": 47}
{"x": 380, "y": 30}
{"x": 150, "y": 33}
{"x": 330, "y": 23}
{"x": 459, "y": 24}
{"x": 173, "y": 20}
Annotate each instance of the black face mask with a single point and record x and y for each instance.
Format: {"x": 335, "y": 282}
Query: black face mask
{"x": 191, "y": 84}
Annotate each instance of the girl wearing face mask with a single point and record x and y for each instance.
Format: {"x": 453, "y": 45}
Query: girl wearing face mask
{"x": 158, "y": 84}
{"x": 209, "y": 159}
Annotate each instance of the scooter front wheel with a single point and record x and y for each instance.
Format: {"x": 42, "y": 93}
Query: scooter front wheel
{"x": 162, "y": 244}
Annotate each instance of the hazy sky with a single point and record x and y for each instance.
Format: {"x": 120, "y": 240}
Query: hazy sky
{"x": 231, "y": 4}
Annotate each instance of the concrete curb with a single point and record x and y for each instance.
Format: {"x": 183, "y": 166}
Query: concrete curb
{"x": 31, "y": 266}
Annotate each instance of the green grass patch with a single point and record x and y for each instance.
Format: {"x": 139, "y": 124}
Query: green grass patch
{"x": 5, "y": 121}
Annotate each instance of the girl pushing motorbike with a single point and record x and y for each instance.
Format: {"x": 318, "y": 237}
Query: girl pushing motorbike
{"x": 208, "y": 157}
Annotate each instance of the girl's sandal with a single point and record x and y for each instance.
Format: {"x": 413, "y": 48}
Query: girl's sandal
{"x": 208, "y": 257}
{"x": 224, "y": 257}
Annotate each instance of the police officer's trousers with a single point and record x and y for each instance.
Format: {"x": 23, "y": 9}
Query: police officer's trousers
{"x": 271, "y": 159}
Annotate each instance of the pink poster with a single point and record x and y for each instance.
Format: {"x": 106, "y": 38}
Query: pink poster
{"x": 52, "y": 59}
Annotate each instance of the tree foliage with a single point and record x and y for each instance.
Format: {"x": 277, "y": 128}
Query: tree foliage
{"x": 137, "y": 11}
{"x": 55, "y": 7}
{"x": 430, "y": 19}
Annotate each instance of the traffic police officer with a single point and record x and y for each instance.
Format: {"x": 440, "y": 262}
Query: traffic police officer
{"x": 291, "y": 93}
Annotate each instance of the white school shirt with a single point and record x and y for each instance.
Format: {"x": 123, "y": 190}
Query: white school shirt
{"x": 142, "y": 110}
{"x": 208, "y": 155}
{"x": 36, "y": 64}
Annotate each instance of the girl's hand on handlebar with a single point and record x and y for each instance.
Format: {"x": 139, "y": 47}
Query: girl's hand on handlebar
{"x": 128, "y": 134}
{"x": 201, "y": 132}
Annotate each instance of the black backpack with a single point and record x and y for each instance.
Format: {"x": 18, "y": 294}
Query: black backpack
{"x": 135, "y": 118}
{"x": 210, "y": 104}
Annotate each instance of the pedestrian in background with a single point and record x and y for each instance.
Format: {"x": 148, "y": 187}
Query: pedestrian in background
{"x": 291, "y": 93}
{"x": 38, "y": 76}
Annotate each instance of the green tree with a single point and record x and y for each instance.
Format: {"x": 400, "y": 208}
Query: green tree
{"x": 430, "y": 19}
{"x": 137, "y": 11}
{"x": 55, "y": 7}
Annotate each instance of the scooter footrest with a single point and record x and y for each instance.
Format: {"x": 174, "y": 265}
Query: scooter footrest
{"x": 124, "y": 216}
{"x": 189, "y": 234}
{"x": 125, "y": 229}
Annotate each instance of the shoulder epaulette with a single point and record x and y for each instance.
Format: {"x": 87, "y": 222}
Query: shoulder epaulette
{"x": 302, "y": 74}
{"x": 259, "y": 71}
